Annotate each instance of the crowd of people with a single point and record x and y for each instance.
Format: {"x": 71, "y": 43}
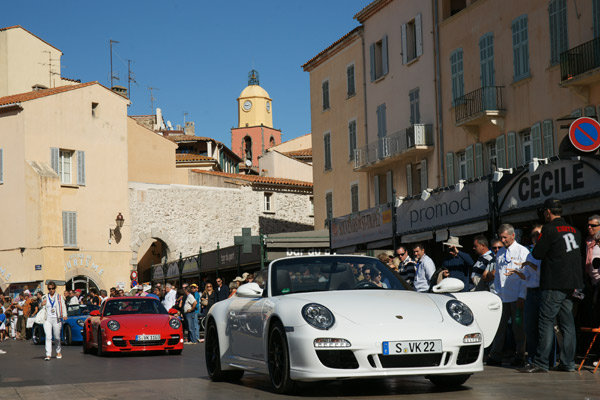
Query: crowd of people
{"x": 542, "y": 285}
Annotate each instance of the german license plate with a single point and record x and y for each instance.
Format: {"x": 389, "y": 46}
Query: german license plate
{"x": 147, "y": 337}
{"x": 412, "y": 347}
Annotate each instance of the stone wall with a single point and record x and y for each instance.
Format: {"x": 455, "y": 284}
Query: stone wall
{"x": 187, "y": 217}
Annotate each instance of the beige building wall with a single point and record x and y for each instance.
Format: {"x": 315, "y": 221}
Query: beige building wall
{"x": 25, "y": 61}
{"x": 276, "y": 165}
{"x": 526, "y": 102}
{"x": 300, "y": 143}
{"x": 151, "y": 157}
{"x": 331, "y": 65}
{"x": 391, "y": 20}
{"x": 31, "y": 192}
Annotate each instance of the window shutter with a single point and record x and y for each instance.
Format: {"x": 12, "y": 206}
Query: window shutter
{"x": 478, "y": 159}
{"x": 511, "y": 149}
{"x": 65, "y": 225}
{"x": 389, "y": 186}
{"x": 404, "y": 45}
{"x": 81, "y": 168}
{"x": 73, "y": 228}
{"x": 548, "y": 139}
{"x": 450, "y": 168}
{"x": 350, "y": 75}
{"x": 383, "y": 120}
{"x": 500, "y": 152}
{"x": 419, "y": 35}
{"x": 373, "y": 72}
{"x": 1, "y": 165}
{"x": 376, "y": 189}
{"x": 424, "y": 183}
{"x": 596, "y": 17}
{"x": 409, "y": 183}
{"x": 469, "y": 160}
{"x": 536, "y": 140}
{"x": 384, "y": 55}
{"x": 576, "y": 113}
{"x": 54, "y": 158}
{"x": 589, "y": 111}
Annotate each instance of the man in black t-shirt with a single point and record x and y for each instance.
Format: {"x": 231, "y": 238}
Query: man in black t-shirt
{"x": 559, "y": 248}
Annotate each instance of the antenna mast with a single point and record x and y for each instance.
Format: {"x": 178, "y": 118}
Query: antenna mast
{"x": 112, "y": 77}
{"x": 130, "y": 78}
{"x": 152, "y": 99}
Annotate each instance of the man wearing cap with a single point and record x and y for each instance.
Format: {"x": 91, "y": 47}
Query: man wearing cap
{"x": 245, "y": 277}
{"x": 559, "y": 248}
{"x": 458, "y": 264}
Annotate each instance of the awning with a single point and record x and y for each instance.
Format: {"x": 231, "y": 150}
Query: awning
{"x": 379, "y": 244}
{"x": 441, "y": 235}
{"x": 469, "y": 229}
{"x": 346, "y": 250}
{"x": 587, "y": 206}
{"x": 417, "y": 237}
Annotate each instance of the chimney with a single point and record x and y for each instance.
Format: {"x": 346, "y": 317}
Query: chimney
{"x": 120, "y": 90}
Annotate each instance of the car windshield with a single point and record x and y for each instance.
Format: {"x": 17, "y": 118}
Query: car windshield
{"x": 77, "y": 309}
{"x": 321, "y": 274}
{"x": 133, "y": 306}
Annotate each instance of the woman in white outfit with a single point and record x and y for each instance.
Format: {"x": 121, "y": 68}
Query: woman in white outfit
{"x": 56, "y": 311}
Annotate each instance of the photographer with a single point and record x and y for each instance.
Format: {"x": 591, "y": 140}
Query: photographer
{"x": 457, "y": 264}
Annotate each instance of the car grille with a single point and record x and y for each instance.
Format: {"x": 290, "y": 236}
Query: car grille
{"x": 119, "y": 341}
{"x": 340, "y": 359}
{"x": 147, "y": 342}
{"x": 173, "y": 340}
{"x": 410, "y": 360}
{"x": 468, "y": 354}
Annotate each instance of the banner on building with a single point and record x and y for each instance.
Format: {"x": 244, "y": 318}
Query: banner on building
{"x": 362, "y": 227}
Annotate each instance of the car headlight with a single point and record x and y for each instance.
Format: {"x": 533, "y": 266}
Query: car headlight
{"x": 113, "y": 325}
{"x": 175, "y": 323}
{"x": 460, "y": 312}
{"x": 81, "y": 322}
{"x": 318, "y": 316}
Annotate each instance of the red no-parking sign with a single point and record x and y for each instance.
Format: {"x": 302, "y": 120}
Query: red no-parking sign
{"x": 584, "y": 133}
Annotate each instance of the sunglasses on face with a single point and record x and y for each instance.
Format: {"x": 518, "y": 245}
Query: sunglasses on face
{"x": 594, "y": 225}
{"x": 401, "y": 254}
{"x": 496, "y": 247}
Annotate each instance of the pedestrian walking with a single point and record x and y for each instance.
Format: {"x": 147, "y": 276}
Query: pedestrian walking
{"x": 56, "y": 311}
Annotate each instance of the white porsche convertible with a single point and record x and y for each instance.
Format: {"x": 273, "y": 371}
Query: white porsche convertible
{"x": 316, "y": 318}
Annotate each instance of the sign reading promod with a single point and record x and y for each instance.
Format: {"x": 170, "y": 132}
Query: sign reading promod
{"x": 444, "y": 208}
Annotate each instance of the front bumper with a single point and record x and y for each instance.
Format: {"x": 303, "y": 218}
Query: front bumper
{"x": 115, "y": 342}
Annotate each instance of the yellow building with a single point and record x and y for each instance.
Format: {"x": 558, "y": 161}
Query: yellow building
{"x": 255, "y": 107}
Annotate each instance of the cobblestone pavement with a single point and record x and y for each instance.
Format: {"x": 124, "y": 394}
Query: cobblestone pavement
{"x": 25, "y": 375}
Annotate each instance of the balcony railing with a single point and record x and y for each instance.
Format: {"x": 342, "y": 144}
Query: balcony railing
{"x": 580, "y": 59}
{"x": 486, "y": 98}
{"x": 394, "y": 145}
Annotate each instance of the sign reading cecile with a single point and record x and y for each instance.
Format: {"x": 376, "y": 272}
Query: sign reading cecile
{"x": 563, "y": 179}
{"x": 362, "y": 227}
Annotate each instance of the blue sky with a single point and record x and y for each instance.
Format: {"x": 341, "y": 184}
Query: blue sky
{"x": 197, "y": 53}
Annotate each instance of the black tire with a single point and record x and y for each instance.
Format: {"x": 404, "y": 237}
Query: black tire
{"x": 279, "y": 359}
{"x": 175, "y": 352}
{"x": 448, "y": 380}
{"x": 68, "y": 335}
{"x": 213, "y": 357}
{"x": 36, "y": 334}
{"x": 100, "y": 351}
{"x": 86, "y": 349}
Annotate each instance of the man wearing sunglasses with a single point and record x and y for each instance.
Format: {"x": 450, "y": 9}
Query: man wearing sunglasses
{"x": 406, "y": 269}
{"x": 592, "y": 251}
{"x": 56, "y": 312}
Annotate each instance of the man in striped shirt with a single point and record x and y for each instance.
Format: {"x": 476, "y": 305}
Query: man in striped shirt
{"x": 485, "y": 262}
{"x": 406, "y": 269}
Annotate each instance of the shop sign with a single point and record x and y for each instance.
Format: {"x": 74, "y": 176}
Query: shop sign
{"x": 307, "y": 252}
{"x": 38, "y": 267}
{"x": 173, "y": 270}
{"x": 563, "y": 179}
{"x": 5, "y": 274}
{"x": 158, "y": 273}
{"x": 444, "y": 208}
{"x": 362, "y": 227}
{"x": 81, "y": 260}
{"x": 227, "y": 257}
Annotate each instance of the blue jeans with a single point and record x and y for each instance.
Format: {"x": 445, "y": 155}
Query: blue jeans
{"x": 531, "y": 320}
{"x": 556, "y": 304}
{"x": 193, "y": 329}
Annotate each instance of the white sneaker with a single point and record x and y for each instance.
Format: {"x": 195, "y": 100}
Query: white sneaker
{"x": 2, "y": 352}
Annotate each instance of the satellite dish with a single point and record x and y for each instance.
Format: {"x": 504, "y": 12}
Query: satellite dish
{"x": 169, "y": 125}
{"x": 248, "y": 163}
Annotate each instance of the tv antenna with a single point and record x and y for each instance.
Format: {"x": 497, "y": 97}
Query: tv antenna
{"x": 130, "y": 78}
{"x": 112, "y": 77}
{"x": 152, "y": 98}
{"x": 49, "y": 64}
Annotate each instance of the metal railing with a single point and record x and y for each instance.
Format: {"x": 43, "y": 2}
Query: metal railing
{"x": 580, "y": 59}
{"x": 486, "y": 98}
{"x": 394, "y": 145}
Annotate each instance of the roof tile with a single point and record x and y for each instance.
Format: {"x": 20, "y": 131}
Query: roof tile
{"x": 258, "y": 179}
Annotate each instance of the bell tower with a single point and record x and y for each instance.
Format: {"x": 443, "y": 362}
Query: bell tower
{"x": 255, "y": 107}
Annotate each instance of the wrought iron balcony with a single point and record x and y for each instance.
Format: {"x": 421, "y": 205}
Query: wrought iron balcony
{"x": 579, "y": 60}
{"x": 419, "y": 136}
{"x": 479, "y": 103}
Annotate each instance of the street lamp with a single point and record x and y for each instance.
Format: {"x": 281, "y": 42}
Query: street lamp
{"x": 119, "y": 220}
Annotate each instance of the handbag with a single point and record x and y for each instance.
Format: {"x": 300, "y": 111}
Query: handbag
{"x": 204, "y": 302}
{"x": 40, "y": 317}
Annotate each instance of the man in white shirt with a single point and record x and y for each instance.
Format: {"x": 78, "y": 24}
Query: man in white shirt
{"x": 512, "y": 290}
{"x": 170, "y": 297}
{"x": 424, "y": 270}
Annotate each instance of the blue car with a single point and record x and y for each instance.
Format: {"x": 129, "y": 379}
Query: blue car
{"x": 71, "y": 328}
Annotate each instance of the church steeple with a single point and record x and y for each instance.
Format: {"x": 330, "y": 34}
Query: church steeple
{"x": 254, "y": 104}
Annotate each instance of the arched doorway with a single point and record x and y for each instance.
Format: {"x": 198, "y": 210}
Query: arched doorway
{"x": 155, "y": 254}
{"x": 85, "y": 283}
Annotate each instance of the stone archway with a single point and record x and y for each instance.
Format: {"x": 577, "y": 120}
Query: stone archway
{"x": 154, "y": 234}
{"x": 79, "y": 271}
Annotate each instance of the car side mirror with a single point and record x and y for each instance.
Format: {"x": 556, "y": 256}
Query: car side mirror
{"x": 449, "y": 285}
{"x": 95, "y": 313}
{"x": 251, "y": 289}
{"x": 173, "y": 311}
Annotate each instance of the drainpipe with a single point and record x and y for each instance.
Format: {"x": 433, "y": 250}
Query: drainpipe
{"x": 440, "y": 124}
{"x": 362, "y": 39}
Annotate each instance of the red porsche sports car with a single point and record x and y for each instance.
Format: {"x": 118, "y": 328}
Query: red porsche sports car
{"x": 126, "y": 324}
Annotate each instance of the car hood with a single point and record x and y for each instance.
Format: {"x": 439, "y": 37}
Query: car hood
{"x": 377, "y": 307}
{"x": 141, "y": 322}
